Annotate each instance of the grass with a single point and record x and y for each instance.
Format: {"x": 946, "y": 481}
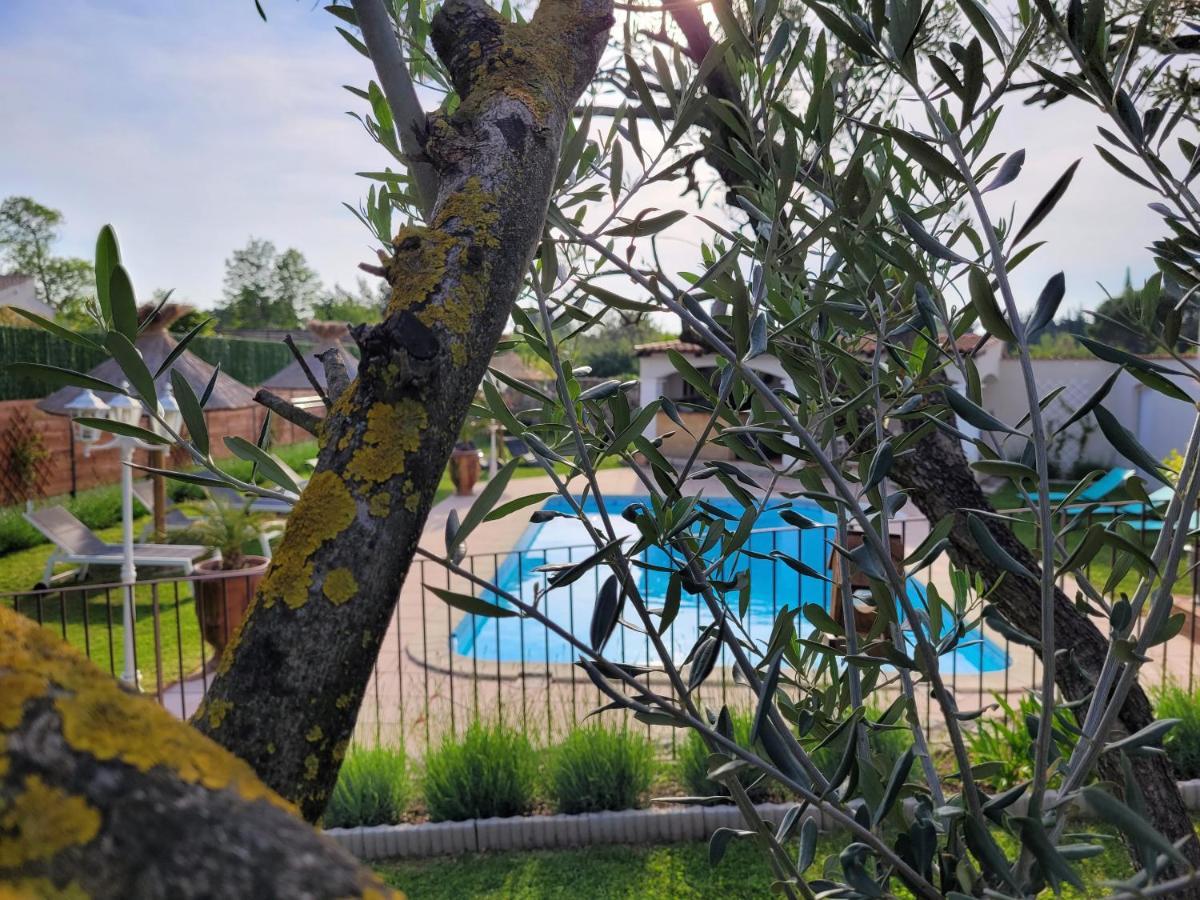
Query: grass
{"x": 672, "y": 872}
{"x": 84, "y": 623}
{"x": 84, "y": 615}
{"x": 1100, "y": 568}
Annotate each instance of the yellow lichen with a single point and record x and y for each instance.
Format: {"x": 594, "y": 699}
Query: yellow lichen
{"x": 393, "y": 432}
{"x": 473, "y": 208}
{"x": 340, "y": 586}
{"x": 380, "y": 504}
{"x": 270, "y": 746}
{"x": 344, "y": 700}
{"x": 216, "y": 712}
{"x": 418, "y": 266}
{"x": 19, "y": 688}
{"x": 339, "y": 750}
{"x": 314, "y": 734}
{"x": 324, "y": 510}
{"x": 30, "y": 888}
{"x": 230, "y": 651}
{"x": 366, "y": 639}
{"x": 101, "y": 720}
{"x": 41, "y": 822}
{"x": 312, "y": 766}
{"x": 413, "y": 501}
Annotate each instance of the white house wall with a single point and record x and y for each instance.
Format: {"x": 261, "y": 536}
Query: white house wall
{"x": 1161, "y": 424}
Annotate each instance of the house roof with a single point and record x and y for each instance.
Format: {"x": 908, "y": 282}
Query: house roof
{"x": 328, "y": 336}
{"x": 155, "y": 344}
{"x": 7, "y": 281}
{"x": 678, "y": 345}
{"x": 965, "y": 344}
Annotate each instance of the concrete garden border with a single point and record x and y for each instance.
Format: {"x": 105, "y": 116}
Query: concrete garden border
{"x": 663, "y": 825}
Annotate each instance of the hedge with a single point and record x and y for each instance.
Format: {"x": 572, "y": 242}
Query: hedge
{"x": 250, "y": 362}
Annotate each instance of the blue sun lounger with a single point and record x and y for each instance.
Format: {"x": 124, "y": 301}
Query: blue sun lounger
{"x": 1097, "y": 490}
{"x": 1158, "y": 499}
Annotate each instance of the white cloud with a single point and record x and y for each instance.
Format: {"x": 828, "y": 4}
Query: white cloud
{"x": 189, "y": 130}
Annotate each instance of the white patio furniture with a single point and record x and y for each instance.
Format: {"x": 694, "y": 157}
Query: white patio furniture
{"x": 75, "y": 543}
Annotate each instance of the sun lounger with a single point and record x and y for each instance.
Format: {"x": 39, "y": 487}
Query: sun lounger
{"x": 518, "y": 449}
{"x": 75, "y": 543}
{"x": 1097, "y": 490}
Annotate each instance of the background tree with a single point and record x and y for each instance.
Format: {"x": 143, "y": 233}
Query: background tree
{"x": 364, "y": 304}
{"x": 267, "y": 289}
{"x": 1136, "y": 319}
{"x": 608, "y": 348}
{"x": 28, "y": 233}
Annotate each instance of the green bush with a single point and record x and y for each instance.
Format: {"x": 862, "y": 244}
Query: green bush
{"x": 96, "y": 508}
{"x": 598, "y": 768}
{"x": 15, "y": 533}
{"x": 887, "y": 745}
{"x": 373, "y": 788}
{"x": 1182, "y": 742}
{"x": 694, "y": 766}
{"x": 100, "y": 507}
{"x": 491, "y": 771}
{"x": 1008, "y": 743}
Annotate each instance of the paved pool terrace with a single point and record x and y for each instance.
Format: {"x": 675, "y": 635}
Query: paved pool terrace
{"x": 423, "y": 688}
{"x": 419, "y": 659}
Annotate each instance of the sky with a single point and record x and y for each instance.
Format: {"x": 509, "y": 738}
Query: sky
{"x": 191, "y": 125}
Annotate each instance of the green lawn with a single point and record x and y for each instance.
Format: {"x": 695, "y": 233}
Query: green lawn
{"x": 673, "y": 872}
{"x": 1099, "y": 570}
{"x": 85, "y": 614}
{"x": 82, "y": 616}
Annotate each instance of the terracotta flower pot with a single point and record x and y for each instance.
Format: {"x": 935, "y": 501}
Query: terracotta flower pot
{"x": 864, "y": 611}
{"x": 464, "y": 469}
{"x": 223, "y": 596}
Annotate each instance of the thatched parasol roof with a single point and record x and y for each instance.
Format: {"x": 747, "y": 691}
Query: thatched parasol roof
{"x": 155, "y": 343}
{"x": 329, "y": 337}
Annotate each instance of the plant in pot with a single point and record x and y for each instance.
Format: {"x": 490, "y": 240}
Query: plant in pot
{"x": 226, "y": 583}
{"x": 464, "y": 467}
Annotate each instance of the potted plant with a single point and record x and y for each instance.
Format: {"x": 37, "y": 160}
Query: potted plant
{"x": 222, "y": 598}
{"x": 464, "y": 467}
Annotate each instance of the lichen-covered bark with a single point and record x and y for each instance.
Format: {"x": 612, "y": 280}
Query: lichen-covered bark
{"x": 105, "y": 794}
{"x": 289, "y": 686}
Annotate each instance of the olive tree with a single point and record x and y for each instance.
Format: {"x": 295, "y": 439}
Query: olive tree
{"x": 862, "y": 246}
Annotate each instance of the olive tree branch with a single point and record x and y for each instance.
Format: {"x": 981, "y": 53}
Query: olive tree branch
{"x": 380, "y": 37}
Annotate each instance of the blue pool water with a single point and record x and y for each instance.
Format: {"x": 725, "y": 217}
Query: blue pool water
{"x": 773, "y": 585}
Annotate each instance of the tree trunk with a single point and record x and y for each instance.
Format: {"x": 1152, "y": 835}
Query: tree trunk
{"x": 937, "y": 477}
{"x": 105, "y": 794}
{"x": 288, "y": 690}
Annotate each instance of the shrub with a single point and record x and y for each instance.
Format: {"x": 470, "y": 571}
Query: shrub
{"x": 1182, "y": 742}
{"x": 694, "y": 765}
{"x": 598, "y": 768}
{"x": 15, "y": 533}
{"x": 1007, "y": 743}
{"x": 491, "y": 771}
{"x": 373, "y": 788}
{"x": 99, "y": 507}
{"x": 887, "y": 745}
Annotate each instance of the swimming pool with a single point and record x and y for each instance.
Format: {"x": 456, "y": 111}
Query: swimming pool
{"x": 773, "y": 585}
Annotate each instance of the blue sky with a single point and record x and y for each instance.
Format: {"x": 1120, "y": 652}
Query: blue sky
{"x": 192, "y": 125}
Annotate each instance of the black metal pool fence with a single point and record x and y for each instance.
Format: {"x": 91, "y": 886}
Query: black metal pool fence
{"x": 439, "y": 669}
